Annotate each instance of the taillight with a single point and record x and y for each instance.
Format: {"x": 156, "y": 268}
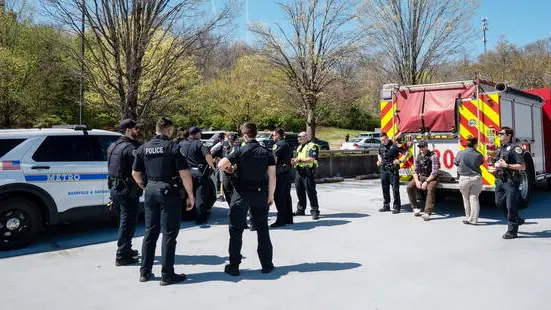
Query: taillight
{"x": 355, "y": 145}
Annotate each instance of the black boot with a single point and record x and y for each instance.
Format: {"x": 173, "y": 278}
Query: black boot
{"x": 144, "y": 277}
{"x": 385, "y": 208}
{"x": 125, "y": 261}
{"x": 175, "y": 278}
{"x": 232, "y": 269}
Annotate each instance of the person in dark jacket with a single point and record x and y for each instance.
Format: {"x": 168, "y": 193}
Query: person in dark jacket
{"x": 283, "y": 155}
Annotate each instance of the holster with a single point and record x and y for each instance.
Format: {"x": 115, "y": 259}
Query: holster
{"x": 283, "y": 168}
{"x": 306, "y": 172}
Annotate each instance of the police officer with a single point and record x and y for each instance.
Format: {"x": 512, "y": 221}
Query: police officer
{"x": 166, "y": 169}
{"x": 201, "y": 166}
{"x": 305, "y": 164}
{"x": 254, "y": 192}
{"x": 425, "y": 179}
{"x": 390, "y": 165}
{"x": 227, "y": 182}
{"x": 283, "y": 155}
{"x": 125, "y": 192}
{"x": 217, "y": 153}
{"x": 507, "y": 168}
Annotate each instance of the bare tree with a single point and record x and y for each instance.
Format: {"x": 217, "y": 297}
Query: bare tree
{"x": 417, "y": 35}
{"x": 307, "y": 50}
{"x": 128, "y": 41}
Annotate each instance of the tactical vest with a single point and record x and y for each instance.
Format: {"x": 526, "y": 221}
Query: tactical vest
{"x": 503, "y": 173}
{"x": 303, "y": 153}
{"x": 159, "y": 160}
{"x": 251, "y": 178}
{"x": 117, "y": 168}
{"x": 424, "y": 162}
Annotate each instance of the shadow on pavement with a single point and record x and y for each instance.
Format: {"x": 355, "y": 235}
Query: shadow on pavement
{"x": 278, "y": 272}
{"x": 314, "y": 224}
{"x": 195, "y": 260}
{"x": 539, "y": 234}
{"x": 344, "y": 215}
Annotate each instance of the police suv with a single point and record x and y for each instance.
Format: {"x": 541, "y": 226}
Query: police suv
{"x": 50, "y": 176}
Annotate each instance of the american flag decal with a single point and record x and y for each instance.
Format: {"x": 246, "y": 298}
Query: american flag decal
{"x": 11, "y": 165}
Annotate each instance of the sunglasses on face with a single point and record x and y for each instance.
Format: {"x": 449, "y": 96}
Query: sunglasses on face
{"x": 501, "y": 133}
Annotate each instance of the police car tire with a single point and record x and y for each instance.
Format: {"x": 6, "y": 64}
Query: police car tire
{"x": 30, "y": 213}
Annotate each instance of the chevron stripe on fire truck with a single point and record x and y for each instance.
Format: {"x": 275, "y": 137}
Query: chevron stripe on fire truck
{"x": 480, "y": 118}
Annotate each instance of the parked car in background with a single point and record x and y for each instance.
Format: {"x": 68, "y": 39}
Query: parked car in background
{"x": 375, "y": 135}
{"x": 266, "y": 139}
{"x": 209, "y": 137}
{"x": 324, "y": 145}
{"x": 361, "y": 143}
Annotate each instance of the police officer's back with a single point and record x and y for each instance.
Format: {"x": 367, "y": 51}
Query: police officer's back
{"x": 200, "y": 162}
{"x": 507, "y": 168}
{"x": 254, "y": 189}
{"x": 125, "y": 192}
{"x": 166, "y": 169}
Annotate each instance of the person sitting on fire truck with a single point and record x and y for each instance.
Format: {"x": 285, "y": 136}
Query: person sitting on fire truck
{"x": 425, "y": 179}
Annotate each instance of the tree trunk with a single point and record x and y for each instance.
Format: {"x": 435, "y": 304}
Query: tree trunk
{"x": 311, "y": 120}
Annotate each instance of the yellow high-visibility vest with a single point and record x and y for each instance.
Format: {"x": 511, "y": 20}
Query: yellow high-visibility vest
{"x": 304, "y": 152}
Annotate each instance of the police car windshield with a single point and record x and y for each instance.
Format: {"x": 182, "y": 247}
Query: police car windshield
{"x": 263, "y": 135}
{"x": 206, "y": 136}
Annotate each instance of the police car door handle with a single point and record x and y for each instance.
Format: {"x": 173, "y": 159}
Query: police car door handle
{"x": 40, "y": 167}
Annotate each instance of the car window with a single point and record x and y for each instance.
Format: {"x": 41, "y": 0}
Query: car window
{"x": 264, "y": 135}
{"x": 355, "y": 140}
{"x": 7, "y": 145}
{"x": 372, "y": 141}
{"x": 65, "y": 148}
{"x": 104, "y": 143}
{"x": 206, "y": 136}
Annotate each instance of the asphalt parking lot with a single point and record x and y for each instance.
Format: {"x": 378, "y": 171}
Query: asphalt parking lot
{"x": 352, "y": 258}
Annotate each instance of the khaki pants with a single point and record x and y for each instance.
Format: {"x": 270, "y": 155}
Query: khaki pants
{"x": 470, "y": 188}
{"x": 414, "y": 193}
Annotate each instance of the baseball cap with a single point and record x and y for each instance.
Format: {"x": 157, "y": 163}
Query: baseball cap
{"x": 221, "y": 135}
{"x": 128, "y": 123}
{"x": 193, "y": 130}
{"x": 422, "y": 143}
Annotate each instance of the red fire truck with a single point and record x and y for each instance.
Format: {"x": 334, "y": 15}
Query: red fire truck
{"x": 446, "y": 114}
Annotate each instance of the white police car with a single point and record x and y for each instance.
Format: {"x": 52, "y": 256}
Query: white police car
{"x": 50, "y": 176}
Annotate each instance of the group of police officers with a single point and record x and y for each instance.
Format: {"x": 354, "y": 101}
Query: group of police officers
{"x": 169, "y": 172}
{"x": 506, "y": 166}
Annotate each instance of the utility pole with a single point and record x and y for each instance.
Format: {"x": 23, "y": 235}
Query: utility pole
{"x": 82, "y": 47}
{"x": 484, "y": 29}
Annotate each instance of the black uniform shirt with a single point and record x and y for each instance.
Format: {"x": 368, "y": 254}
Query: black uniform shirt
{"x": 390, "y": 152}
{"x": 120, "y": 157}
{"x": 282, "y": 150}
{"x": 252, "y": 160}
{"x": 194, "y": 151}
{"x": 511, "y": 153}
{"x": 159, "y": 158}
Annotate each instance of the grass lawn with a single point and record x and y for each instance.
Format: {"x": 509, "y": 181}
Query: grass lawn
{"x": 335, "y": 136}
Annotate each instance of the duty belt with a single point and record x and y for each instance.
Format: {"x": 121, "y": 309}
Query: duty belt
{"x": 161, "y": 179}
{"x": 390, "y": 166}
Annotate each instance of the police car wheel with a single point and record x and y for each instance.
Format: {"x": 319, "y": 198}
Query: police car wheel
{"x": 20, "y": 223}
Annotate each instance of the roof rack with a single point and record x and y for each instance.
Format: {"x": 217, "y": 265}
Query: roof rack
{"x": 74, "y": 127}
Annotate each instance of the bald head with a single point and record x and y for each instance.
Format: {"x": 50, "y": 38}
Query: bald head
{"x": 302, "y": 138}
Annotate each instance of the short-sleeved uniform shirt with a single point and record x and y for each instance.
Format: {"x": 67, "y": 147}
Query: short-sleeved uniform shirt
{"x": 389, "y": 152}
{"x": 194, "y": 151}
{"x": 282, "y": 150}
{"x": 252, "y": 161}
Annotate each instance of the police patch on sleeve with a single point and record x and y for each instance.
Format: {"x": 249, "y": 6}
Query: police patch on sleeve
{"x": 134, "y": 153}
{"x": 274, "y": 147}
{"x": 518, "y": 149}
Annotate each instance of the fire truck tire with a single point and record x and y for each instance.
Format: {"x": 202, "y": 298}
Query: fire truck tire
{"x": 528, "y": 183}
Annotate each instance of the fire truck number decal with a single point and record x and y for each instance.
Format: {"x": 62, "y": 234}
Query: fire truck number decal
{"x": 447, "y": 159}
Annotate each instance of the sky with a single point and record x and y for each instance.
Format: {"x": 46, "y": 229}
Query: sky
{"x": 520, "y": 21}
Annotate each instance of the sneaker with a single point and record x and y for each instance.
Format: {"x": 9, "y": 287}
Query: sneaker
{"x": 268, "y": 269}
{"x": 384, "y": 209}
{"x": 509, "y": 235}
{"x": 426, "y": 216}
{"x": 416, "y": 211}
{"x": 232, "y": 269}
{"x": 175, "y": 278}
{"x": 315, "y": 215}
{"x": 144, "y": 277}
{"x": 126, "y": 261}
